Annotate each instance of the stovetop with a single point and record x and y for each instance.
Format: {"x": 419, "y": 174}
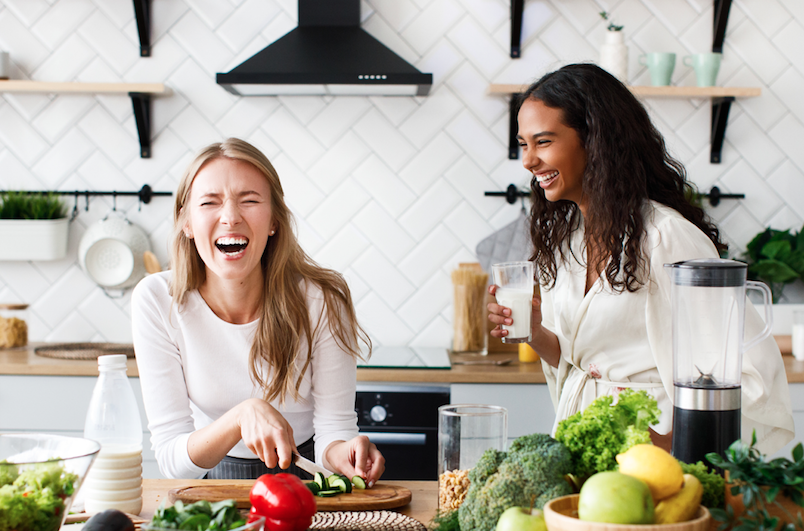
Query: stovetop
{"x": 407, "y": 358}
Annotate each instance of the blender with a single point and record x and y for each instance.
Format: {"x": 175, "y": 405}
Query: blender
{"x": 708, "y": 309}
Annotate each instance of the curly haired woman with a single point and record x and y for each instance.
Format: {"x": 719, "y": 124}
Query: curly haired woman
{"x": 610, "y": 208}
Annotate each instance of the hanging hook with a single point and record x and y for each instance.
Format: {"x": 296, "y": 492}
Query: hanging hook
{"x": 75, "y": 207}
{"x": 86, "y": 195}
{"x": 114, "y": 201}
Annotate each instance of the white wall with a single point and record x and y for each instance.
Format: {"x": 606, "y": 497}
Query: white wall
{"x": 387, "y": 190}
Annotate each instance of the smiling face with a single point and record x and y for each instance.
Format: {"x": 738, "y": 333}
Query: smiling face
{"x": 229, "y": 218}
{"x": 552, "y": 151}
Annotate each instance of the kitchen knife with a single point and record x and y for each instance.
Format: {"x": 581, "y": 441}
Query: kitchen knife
{"x": 308, "y": 466}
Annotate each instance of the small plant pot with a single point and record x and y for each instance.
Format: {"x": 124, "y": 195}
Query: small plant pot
{"x": 33, "y": 239}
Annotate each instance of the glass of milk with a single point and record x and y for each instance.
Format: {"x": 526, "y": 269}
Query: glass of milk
{"x": 798, "y": 334}
{"x": 514, "y": 282}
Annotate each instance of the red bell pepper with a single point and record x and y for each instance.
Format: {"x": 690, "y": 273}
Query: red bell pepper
{"x": 285, "y": 502}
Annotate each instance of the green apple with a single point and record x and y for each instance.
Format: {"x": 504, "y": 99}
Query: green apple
{"x": 521, "y": 519}
{"x": 615, "y": 498}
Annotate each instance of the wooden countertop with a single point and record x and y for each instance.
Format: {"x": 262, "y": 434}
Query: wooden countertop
{"x": 422, "y": 506}
{"x": 23, "y": 361}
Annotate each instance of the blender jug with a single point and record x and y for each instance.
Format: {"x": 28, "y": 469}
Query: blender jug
{"x": 708, "y": 302}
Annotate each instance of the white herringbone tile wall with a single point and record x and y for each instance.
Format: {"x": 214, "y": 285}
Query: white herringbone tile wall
{"x": 389, "y": 191}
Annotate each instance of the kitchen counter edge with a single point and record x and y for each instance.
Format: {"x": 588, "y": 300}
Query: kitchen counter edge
{"x": 23, "y": 361}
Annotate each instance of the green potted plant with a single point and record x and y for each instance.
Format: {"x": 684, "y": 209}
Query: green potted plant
{"x": 33, "y": 226}
{"x": 761, "y": 494}
{"x": 776, "y": 257}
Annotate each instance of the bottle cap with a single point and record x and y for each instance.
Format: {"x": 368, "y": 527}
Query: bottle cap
{"x": 112, "y": 361}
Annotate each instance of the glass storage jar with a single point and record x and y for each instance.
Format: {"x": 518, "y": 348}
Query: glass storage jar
{"x": 13, "y": 325}
{"x": 465, "y": 432}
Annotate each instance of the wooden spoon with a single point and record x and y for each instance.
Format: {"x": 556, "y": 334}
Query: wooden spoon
{"x": 151, "y": 262}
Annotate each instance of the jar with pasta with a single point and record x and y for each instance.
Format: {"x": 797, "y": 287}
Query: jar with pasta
{"x": 465, "y": 432}
{"x": 13, "y": 327}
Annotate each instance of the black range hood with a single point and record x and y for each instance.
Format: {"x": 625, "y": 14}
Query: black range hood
{"x": 328, "y": 53}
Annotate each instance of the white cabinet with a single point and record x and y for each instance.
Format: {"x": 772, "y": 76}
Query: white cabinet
{"x": 58, "y": 404}
{"x": 530, "y": 409}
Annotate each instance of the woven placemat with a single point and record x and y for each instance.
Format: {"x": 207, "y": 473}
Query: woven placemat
{"x": 365, "y": 521}
{"x": 83, "y": 351}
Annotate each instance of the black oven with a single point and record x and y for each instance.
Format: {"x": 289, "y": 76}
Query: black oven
{"x": 402, "y": 420}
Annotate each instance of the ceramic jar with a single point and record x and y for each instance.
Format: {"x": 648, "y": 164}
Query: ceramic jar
{"x": 614, "y": 55}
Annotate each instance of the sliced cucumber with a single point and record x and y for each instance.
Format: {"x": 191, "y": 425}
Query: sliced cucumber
{"x": 358, "y": 482}
{"x": 328, "y": 493}
{"x": 321, "y": 481}
{"x": 314, "y": 487}
{"x": 340, "y": 483}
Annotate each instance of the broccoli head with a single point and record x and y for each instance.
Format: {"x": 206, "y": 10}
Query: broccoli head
{"x": 529, "y": 474}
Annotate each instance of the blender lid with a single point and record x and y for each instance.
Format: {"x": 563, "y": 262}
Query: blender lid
{"x": 708, "y": 272}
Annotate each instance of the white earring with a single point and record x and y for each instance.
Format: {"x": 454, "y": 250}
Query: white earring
{"x": 272, "y": 233}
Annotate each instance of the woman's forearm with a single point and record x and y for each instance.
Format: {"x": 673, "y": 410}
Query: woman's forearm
{"x": 211, "y": 443}
{"x": 546, "y": 344}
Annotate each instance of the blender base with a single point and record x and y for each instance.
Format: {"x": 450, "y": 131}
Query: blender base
{"x": 696, "y": 433}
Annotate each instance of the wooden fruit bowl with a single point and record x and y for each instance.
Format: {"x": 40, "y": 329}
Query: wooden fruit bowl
{"x": 561, "y": 514}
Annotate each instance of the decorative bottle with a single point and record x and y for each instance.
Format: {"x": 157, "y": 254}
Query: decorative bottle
{"x": 614, "y": 55}
{"x": 113, "y": 419}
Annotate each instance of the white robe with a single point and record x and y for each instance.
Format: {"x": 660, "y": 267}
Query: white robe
{"x": 611, "y": 341}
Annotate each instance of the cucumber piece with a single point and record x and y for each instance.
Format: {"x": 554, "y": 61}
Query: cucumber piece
{"x": 340, "y": 483}
{"x": 321, "y": 481}
{"x": 328, "y": 493}
{"x": 314, "y": 487}
{"x": 359, "y": 482}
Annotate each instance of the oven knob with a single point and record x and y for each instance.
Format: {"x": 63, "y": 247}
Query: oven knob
{"x": 378, "y": 413}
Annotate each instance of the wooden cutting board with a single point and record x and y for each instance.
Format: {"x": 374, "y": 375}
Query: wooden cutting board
{"x": 380, "y": 496}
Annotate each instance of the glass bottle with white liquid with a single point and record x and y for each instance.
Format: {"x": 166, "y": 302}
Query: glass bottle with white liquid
{"x": 113, "y": 419}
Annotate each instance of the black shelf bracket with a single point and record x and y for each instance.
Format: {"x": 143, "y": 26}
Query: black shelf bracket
{"x": 720, "y": 117}
{"x": 517, "y": 7}
{"x": 513, "y": 127}
{"x": 142, "y": 12}
{"x": 721, "y": 20}
{"x": 141, "y": 102}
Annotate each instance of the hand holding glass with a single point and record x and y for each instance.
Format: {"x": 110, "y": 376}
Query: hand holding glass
{"x": 514, "y": 282}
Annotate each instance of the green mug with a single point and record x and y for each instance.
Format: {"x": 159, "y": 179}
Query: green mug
{"x": 706, "y": 67}
{"x": 660, "y": 65}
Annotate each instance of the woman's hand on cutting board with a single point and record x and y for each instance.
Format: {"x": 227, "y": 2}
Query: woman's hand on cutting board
{"x": 356, "y": 457}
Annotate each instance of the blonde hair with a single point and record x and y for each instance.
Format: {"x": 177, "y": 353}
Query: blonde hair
{"x": 284, "y": 317}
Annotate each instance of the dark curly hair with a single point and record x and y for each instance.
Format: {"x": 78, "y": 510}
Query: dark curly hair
{"x": 627, "y": 164}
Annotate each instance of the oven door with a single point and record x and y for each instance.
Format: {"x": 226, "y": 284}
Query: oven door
{"x": 402, "y": 420}
{"x": 409, "y": 455}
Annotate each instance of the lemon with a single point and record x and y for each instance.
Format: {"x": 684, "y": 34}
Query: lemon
{"x": 654, "y": 466}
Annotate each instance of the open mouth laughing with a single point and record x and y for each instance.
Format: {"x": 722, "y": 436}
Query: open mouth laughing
{"x": 545, "y": 179}
{"x": 231, "y": 246}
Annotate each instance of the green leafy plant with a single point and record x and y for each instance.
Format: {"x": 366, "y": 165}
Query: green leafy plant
{"x": 25, "y": 205}
{"x": 612, "y": 26}
{"x": 760, "y": 482}
{"x": 776, "y": 257}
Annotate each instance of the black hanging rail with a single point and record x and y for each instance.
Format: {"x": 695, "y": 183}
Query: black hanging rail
{"x": 145, "y": 193}
{"x": 512, "y": 193}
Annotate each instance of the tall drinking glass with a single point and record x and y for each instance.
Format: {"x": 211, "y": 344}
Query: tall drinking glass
{"x": 514, "y": 282}
{"x": 465, "y": 432}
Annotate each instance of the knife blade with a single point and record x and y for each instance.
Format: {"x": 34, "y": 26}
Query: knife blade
{"x": 308, "y": 466}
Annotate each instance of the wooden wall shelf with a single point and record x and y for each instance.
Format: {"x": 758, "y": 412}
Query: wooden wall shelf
{"x": 722, "y": 97}
{"x": 658, "y": 92}
{"x": 140, "y": 94}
